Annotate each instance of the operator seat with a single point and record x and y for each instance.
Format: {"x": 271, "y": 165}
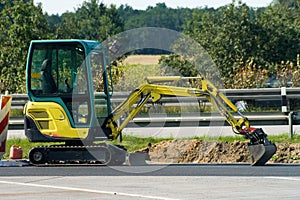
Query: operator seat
{"x": 48, "y": 83}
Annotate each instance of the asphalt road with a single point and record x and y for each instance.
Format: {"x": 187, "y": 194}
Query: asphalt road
{"x": 157, "y": 170}
{"x": 168, "y": 182}
{"x": 165, "y": 182}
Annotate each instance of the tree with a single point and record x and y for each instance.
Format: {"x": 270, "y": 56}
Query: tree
{"x": 226, "y": 34}
{"x": 93, "y": 21}
{"x": 20, "y": 22}
{"x": 158, "y": 16}
{"x": 279, "y": 38}
{"x": 288, "y": 3}
{"x": 236, "y": 34}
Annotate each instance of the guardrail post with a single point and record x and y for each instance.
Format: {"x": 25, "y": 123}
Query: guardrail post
{"x": 283, "y": 100}
{"x": 291, "y": 131}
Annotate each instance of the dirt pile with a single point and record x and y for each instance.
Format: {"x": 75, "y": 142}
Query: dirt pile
{"x": 287, "y": 153}
{"x": 197, "y": 151}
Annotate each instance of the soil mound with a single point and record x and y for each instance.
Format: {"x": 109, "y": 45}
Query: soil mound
{"x": 197, "y": 151}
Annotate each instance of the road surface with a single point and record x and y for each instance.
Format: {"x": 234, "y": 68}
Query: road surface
{"x": 201, "y": 181}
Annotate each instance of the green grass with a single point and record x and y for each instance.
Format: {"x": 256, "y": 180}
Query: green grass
{"x": 284, "y": 138}
{"x": 132, "y": 143}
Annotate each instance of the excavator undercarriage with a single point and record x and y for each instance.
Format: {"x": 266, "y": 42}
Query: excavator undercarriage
{"x": 100, "y": 154}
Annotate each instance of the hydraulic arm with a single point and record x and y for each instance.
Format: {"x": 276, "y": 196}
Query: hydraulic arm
{"x": 261, "y": 149}
{"x": 154, "y": 92}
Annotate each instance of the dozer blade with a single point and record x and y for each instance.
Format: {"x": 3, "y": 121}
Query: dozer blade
{"x": 137, "y": 158}
{"x": 261, "y": 153}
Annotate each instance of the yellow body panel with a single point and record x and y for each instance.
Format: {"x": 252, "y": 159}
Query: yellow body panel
{"x": 52, "y": 120}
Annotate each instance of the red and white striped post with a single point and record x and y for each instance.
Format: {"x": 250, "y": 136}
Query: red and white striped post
{"x": 4, "y": 117}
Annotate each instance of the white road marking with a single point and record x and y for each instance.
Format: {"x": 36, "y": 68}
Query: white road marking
{"x": 283, "y": 178}
{"x": 87, "y": 190}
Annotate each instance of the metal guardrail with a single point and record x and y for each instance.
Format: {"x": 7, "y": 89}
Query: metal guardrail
{"x": 255, "y": 97}
{"x": 190, "y": 120}
{"x": 263, "y": 96}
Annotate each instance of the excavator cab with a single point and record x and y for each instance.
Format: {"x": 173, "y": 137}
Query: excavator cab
{"x": 63, "y": 107}
{"x": 61, "y": 78}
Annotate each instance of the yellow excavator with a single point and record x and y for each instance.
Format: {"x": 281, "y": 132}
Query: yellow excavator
{"x": 61, "y": 77}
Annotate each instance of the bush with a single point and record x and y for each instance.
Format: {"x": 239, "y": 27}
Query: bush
{"x": 250, "y": 75}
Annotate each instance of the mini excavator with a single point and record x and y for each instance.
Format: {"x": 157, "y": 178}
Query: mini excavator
{"x": 63, "y": 109}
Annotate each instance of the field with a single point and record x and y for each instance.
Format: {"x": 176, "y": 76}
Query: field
{"x": 142, "y": 59}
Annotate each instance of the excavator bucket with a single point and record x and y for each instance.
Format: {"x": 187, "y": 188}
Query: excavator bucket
{"x": 261, "y": 153}
{"x": 260, "y": 148}
{"x": 137, "y": 158}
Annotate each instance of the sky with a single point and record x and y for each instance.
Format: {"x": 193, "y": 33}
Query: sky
{"x": 61, "y": 6}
